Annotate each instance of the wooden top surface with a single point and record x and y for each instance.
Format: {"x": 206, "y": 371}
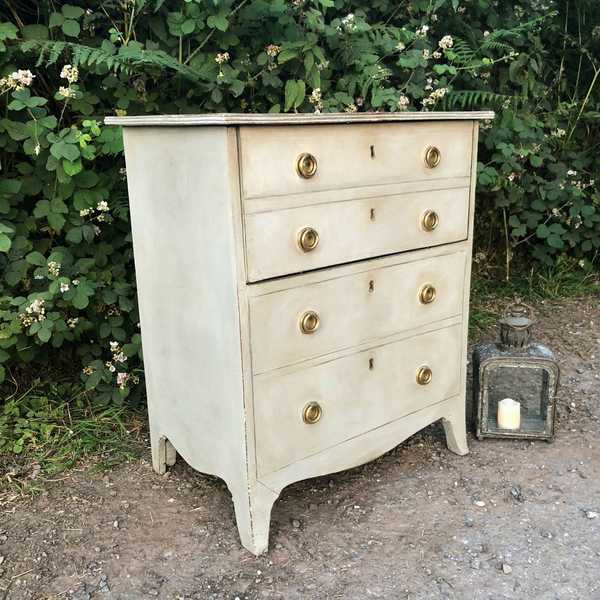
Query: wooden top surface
{"x": 292, "y": 119}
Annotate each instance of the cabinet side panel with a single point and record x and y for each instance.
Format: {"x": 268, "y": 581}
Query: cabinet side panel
{"x": 180, "y": 197}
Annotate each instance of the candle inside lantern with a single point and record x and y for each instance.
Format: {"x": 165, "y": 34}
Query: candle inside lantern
{"x": 509, "y": 414}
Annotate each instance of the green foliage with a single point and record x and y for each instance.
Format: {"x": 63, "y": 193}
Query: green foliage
{"x": 67, "y": 287}
{"x": 53, "y": 425}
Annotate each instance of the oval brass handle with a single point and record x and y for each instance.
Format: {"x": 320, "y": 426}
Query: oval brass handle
{"x": 312, "y": 413}
{"x": 424, "y": 375}
{"x": 308, "y": 239}
{"x": 433, "y": 156}
{"x": 309, "y": 322}
{"x": 427, "y": 294}
{"x": 430, "y": 220}
{"x": 306, "y": 165}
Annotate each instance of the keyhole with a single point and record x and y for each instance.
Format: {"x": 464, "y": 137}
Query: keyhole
{"x": 371, "y": 286}
{"x": 372, "y": 151}
{"x": 372, "y": 214}
{"x": 371, "y": 364}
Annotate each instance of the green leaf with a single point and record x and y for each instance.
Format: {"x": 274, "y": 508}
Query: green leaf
{"x": 71, "y": 28}
{"x": 5, "y": 243}
{"x": 56, "y": 20}
{"x": 188, "y": 26}
{"x": 294, "y": 94}
{"x": 2, "y": 373}
{"x": 44, "y": 334}
{"x": 72, "y": 168}
{"x": 35, "y": 32}
{"x": 80, "y": 300}
{"x": 542, "y": 231}
{"x": 72, "y": 12}
{"x": 535, "y": 161}
{"x": 219, "y": 22}
{"x": 286, "y": 54}
{"x": 36, "y": 258}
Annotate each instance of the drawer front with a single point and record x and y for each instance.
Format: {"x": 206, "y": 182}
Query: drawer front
{"x": 355, "y": 394}
{"x": 353, "y": 309}
{"x": 350, "y": 155}
{"x": 352, "y": 230}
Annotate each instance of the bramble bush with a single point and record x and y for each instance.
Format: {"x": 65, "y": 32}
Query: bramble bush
{"x": 67, "y": 288}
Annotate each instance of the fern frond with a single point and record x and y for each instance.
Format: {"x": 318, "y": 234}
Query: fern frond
{"x": 124, "y": 59}
{"x": 476, "y": 99}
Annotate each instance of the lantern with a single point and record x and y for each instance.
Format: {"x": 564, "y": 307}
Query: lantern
{"x": 514, "y": 382}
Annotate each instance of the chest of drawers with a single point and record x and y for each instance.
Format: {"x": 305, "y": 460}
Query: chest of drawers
{"x": 303, "y": 290}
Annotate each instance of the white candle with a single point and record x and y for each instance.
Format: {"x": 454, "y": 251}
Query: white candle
{"x": 509, "y": 414}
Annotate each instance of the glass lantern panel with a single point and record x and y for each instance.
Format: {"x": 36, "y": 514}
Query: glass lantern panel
{"x": 528, "y": 386}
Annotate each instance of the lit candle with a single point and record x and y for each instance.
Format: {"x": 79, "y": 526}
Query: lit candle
{"x": 509, "y": 414}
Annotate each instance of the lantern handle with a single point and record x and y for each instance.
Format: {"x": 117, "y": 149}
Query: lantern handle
{"x": 518, "y": 308}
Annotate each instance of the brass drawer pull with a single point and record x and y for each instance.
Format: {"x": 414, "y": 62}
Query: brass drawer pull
{"x": 308, "y": 239}
{"x": 427, "y": 294}
{"x": 432, "y": 157}
{"x": 306, "y": 165}
{"x": 430, "y": 220}
{"x": 311, "y": 413}
{"x": 309, "y": 322}
{"x": 424, "y": 375}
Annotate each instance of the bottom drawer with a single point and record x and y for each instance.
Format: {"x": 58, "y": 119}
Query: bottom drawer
{"x": 354, "y": 394}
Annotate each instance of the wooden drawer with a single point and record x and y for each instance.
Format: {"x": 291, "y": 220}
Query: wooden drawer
{"x": 353, "y": 309}
{"x": 356, "y": 394}
{"x": 350, "y": 156}
{"x": 352, "y": 230}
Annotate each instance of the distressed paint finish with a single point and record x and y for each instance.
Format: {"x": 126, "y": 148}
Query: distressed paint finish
{"x": 221, "y": 289}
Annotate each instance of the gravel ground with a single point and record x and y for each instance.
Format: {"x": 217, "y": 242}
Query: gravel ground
{"x": 512, "y": 519}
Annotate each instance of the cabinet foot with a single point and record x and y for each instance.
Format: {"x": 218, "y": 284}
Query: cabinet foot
{"x": 253, "y": 515}
{"x": 455, "y": 427}
{"x": 163, "y": 453}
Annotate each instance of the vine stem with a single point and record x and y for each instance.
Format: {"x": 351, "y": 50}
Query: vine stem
{"x": 211, "y": 33}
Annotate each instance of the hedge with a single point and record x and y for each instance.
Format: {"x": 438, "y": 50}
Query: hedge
{"x": 67, "y": 287}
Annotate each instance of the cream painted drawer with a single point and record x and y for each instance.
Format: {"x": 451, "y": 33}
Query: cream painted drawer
{"x": 350, "y": 156}
{"x": 352, "y": 309}
{"x": 353, "y": 230}
{"x": 356, "y": 394}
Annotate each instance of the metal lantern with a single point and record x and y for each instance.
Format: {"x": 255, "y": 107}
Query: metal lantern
{"x": 515, "y": 382}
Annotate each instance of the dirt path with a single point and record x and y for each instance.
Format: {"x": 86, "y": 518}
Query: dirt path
{"x": 405, "y": 526}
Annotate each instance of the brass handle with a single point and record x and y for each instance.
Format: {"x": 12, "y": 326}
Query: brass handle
{"x": 430, "y": 220}
{"x": 308, "y": 239}
{"x": 427, "y": 294}
{"x": 306, "y": 165}
{"x": 432, "y": 157}
{"x": 309, "y": 322}
{"x": 311, "y": 413}
{"x": 424, "y": 375}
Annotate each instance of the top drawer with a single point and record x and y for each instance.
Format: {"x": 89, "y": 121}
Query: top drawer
{"x": 348, "y": 156}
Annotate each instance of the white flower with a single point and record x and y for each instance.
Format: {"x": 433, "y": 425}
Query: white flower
{"x": 426, "y": 54}
{"x": 446, "y": 42}
{"x": 102, "y": 206}
{"x": 114, "y": 346}
{"x": 351, "y": 108}
{"x": 559, "y": 133}
{"x": 70, "y": 73}
{"x": 437, "y": 54}
{"x": 97, "y": 230}
{"x": 581, "y": 263}
{"x": 22, "y": 77}
{"x": 36, "y": 311}
{"x": 348, "y": 23}
{"x": 75, "y": 282}
{"x": 72, "y": 323}
{"x": 486, "y": 33}
{"x": 66, "y": 92}
{"x": 64, "y": 287}
{"x": 222, "y": 57}
{"x": 54, "y": 268}
{"x": 403, "y": 102}
{"x": 273, "y": 50}
{"x": 37, "y": 149}
{"x": 84, "y": 212}
{"x": 400, "y": 46}
{"x": 571, "y": 172}
{"x": 110, "y": 366}
{"x": 422, "y": 31}
{"x": 316, "y": 99}
{"x": 122, "y": 379}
